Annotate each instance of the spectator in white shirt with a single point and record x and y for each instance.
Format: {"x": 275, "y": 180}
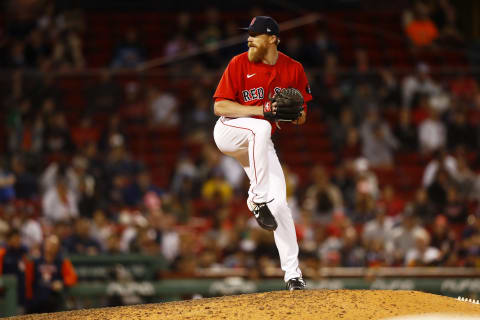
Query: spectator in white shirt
{"x": 59, "y": 202}
{"x": 432, "y": 133}
{"x": 163, "y": 107}
{"x": 441, "y": 159}
{"x": 422, "y": 254}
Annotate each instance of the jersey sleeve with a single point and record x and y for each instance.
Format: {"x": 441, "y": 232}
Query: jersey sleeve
{"x": 303, "y": 86}
{"x": 227, "y": 87}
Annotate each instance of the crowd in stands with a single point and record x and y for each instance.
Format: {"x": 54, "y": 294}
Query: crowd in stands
{"x": 78, "y": 179}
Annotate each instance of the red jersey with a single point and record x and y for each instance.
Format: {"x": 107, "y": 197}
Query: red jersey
{"x": 252, "y": 84}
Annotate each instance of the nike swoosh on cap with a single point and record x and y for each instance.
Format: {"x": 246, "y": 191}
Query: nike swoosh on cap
{"x": 250, "y": 75}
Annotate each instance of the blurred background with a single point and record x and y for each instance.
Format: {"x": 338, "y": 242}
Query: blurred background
{"x": 112, "y": 191}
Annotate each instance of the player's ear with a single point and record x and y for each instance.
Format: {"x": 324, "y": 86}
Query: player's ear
{"x": 276, "y": 40}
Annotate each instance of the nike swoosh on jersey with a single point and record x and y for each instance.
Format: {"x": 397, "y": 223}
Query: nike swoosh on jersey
{"x": 250, "y": 75}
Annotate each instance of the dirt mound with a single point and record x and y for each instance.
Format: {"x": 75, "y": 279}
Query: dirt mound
{"x": 309, "y": 304}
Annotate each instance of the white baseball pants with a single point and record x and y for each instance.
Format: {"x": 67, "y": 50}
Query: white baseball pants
{"x": 248, "y": 140}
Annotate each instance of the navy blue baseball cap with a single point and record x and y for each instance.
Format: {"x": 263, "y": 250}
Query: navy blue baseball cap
{"x": 263, "y": 25}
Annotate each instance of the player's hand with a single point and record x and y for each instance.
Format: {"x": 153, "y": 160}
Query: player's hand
{"x": 302, "y": 119}
{"x": 286, "y": 105}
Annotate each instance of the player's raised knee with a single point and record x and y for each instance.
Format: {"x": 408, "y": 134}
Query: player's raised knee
{"x": 263, "y": 129}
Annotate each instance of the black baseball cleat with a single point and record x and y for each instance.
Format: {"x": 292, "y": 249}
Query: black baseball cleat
{"x": 296, "y": 284}
{"x": 264, "y": 216}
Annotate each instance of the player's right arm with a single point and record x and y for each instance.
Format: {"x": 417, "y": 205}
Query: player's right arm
{"x": 227, "y": 102}
{"x": 229, "y": 108}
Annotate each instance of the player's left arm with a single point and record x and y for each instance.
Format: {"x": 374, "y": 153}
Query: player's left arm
{"x": 303, "y": 86}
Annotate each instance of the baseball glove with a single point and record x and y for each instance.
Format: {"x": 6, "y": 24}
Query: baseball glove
{"x": 288, "y": 105}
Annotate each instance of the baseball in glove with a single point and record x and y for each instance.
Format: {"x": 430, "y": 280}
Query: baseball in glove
{"x": 285, "y": 105}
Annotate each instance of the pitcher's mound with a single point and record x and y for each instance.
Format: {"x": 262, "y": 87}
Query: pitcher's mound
{"x": 308, "y": 304}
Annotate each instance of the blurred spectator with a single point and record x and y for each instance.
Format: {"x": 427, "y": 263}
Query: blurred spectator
{"x": 353, "y": 254}
{"x": 422, "y": 207}
{"x": 85, "y": 132}
{"x": 378, "y": 141}
{"x": 352, "y": 147}
{"x": 422, "y": 254}
{"x": 339, "y": 128}
{"x": 130, "y": 52}
{"x": 455, "y": 207}
{"x": 81, "y": 242}
{"x": 389, "y": 89}
{"x": 319, "y": 47}
{"x": 49, "y": 275}
{"x": 366, "y": 181}
{"x": 199, "y": 122}
{"x": 441, "y": 160}
{"x": 182, "y": 41}
{"x": 37, "y": 48}
{"x": 392, "y": 202}
{"x": 104, "y": 96}
{"x": 15, "y": 122}
{"x": 101, "y": 230}
{"x": 437, "y": 190}
{"x": 470, "y": 242}
{"x": 363, "y": 72}
{"x": 67, "y": 53}
{"x": 467, "y": 182}
{"x": 26, "y": 186}
{"x": 419, "y": 27}
{"x": 363, "y": 101}
{"x": 7, "y": 185}
{"x": 112, "y": 244}
{"x": 217, "y": 189}
{"x": 167, "y": 235}
{"x": 364, "y": 208}
{"x": 444, "y": 239}
{"x": 432, "y": 133}
{"x": 163, "y": 108}
{"x": 57, "y": 137}
{"x": 377, "y": 229}
{"x": 30, "y": 229}
{"x": 459, "y": 131}
{"x": 343, "y": 178}
{"x": 60, "y": 167}
{"x": 322, "y": 197}
{"x": 403, "y": 236}
{"x": 13, "y": 259}
{"x": 418, "y": 83}
{"x": 406, "y": 132}
{"x": 113, "y": 134}
{"x": 59, "y": 202}
{"x": 142, "y": 184}
{"x": 135, "y": 106}
{"x": 335, "y": 103}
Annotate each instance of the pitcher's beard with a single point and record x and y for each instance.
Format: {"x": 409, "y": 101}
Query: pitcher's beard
{"x": 256, "y": 54}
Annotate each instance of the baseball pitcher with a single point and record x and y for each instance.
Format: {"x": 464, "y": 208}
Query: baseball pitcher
{"x": 258, "y": 89}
